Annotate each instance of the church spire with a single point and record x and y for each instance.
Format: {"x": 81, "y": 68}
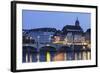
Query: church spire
{"x": 77, "y": 23}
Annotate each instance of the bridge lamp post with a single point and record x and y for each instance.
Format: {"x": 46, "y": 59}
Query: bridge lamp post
{"x": 38, "y": 37}
{"x": 50, "y": 38}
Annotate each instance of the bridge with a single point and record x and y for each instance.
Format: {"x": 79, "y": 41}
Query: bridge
{"x": 57, "y": 46}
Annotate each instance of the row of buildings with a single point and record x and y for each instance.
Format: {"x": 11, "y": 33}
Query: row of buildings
{"x": 50, "y": 44}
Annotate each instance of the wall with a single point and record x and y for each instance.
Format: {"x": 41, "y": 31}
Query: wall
{"x": 5, "y": 36}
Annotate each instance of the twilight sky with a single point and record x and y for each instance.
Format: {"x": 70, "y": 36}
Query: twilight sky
{"x": 38, "y": 19}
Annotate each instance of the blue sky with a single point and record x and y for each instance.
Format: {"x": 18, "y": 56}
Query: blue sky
{"x": 38, "y": 19}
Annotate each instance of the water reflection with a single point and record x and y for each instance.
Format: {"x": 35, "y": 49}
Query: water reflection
{"x": 30, "y": 55}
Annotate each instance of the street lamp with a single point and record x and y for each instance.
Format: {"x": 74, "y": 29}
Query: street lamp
{"x": 30, "y": 39}
{"x": 50, "y": 38}
{"x": 38, "y": 37}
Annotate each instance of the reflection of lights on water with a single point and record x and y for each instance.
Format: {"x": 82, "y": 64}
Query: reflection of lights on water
{"x": 62, "y": 56}
{"x": 75, "y": 56}
{"x": 48, "y": 56}
{"x": 37, "y": 57}
{"x": 30, "y": 58}
{"x": 27, "y": 38}
{"x": 65, "y": 56}
{"x": 80, "y": 56}
{"x": 26, "y": 58}
{"x": 84, "y": 56}
{"x": 88, "y": 55}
